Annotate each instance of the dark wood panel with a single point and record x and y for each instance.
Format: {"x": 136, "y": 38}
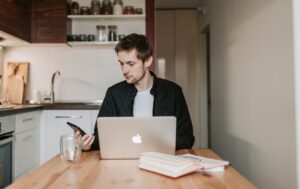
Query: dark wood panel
{"x": 49, "y": 21}
{"x": 150, "y": 27}
{"x": 14, "y": 18}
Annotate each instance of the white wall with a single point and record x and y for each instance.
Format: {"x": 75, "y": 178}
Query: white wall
{"x": 296, "y": 22}
{"x": 252, "y": 80}
{"x": 86, "y": 73}
{"x": 203, "y": 23}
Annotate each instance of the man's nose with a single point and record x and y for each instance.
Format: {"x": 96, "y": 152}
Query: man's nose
{"x": 124, "y": 69}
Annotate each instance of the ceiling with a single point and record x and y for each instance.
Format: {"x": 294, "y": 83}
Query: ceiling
{"x": 177, "y": 3}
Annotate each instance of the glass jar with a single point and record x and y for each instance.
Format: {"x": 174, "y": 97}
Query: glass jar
{"x": 121, "y": 36}
{"x": 95, "y": 7}
{"x": 138, "y": 11}
{"x": 84, "y": 10}
{"x": 75, "y": 8}
{"x": 91, "y": 37}
{"x": 101, "y": 33}
{"x": 118, "y": 7}
{"x": 129, "y": 10}
{"x": 112, "y": 33}
{"x": 106, "y": 7}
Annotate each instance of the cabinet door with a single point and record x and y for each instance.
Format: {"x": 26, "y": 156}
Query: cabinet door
{"x": 27, "y": 142}
{"x": 15, "y": 18}
{"x": 48, "y": 21}
{"x": 56, "y": 126}
{"x": 25, "y": 152}
{"x": 178, "y": 29}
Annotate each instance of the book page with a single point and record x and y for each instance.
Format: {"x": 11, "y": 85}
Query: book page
{"x": 175, "y": 166}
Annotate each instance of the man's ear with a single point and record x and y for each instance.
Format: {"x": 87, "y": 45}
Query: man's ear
{"x": 148, "y": 62}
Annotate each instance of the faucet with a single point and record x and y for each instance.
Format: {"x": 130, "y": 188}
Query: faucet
{"x": 52, "y": 86}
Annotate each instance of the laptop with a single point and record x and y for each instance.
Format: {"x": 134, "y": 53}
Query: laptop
{"x": 128, "y": 137}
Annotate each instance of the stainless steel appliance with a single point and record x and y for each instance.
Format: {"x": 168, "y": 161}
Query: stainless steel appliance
{"x": 7, "y": 128}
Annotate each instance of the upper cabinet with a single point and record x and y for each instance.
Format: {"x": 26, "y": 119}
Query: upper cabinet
{"x": 48, "y": 21}
{"x": 14, "y": 18}
{"x": 51, "y": 21}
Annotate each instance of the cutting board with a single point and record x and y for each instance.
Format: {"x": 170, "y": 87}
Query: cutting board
{"x": 15, "y": 90}
{"x": 15, "y": 82}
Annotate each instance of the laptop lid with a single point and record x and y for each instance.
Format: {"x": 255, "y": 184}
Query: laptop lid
{"x": 127, "y": 137}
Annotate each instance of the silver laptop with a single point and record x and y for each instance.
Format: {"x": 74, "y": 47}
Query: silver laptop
{"x": 127, "y": 137}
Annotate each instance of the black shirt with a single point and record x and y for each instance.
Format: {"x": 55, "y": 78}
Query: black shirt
{"x": 168, "y": 101}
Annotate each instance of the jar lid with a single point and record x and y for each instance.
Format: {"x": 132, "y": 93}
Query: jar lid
{"x": 128, "y": 7}
{"x": 75, "y": 4}
{"x": 112, "y": 27}
{"x": 118, "y": 2}
{"x": 101, "y": 27}
{"x": 106, "y": 2}
{"x": 84, "y": 8}
{"x": 95, "y": 2}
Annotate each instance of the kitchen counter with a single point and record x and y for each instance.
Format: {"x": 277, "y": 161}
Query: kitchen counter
{"x": 15, "y": 109}
{"x": 71, "y": 106}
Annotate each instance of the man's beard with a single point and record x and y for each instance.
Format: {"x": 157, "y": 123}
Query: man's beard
{"x": 134, "y": 80}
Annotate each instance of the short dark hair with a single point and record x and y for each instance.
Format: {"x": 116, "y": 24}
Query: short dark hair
{"x": 135, "y": 41}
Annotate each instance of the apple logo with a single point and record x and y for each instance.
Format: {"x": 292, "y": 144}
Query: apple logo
{"x": 137, "y": 139}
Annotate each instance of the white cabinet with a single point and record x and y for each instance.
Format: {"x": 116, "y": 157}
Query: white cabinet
{"x": 94, "y": 118}
{"x": 55, "y": 126}
{"x": 26, "y": 142}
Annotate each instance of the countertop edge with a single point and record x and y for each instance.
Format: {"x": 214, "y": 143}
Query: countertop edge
{"x": 16, "y": 109}
{"x": 72, "y": 107}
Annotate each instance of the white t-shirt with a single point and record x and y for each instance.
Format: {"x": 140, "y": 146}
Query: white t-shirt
{"x": 143, "y": 104}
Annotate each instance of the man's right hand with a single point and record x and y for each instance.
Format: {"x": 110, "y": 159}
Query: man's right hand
{"x": 87, "y": 141}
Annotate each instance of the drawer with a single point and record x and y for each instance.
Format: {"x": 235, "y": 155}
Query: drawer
{"x": 25, "y": 152}
{"x": 26, "y": 121}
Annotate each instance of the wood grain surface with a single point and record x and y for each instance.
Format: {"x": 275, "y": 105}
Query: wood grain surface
{"x": 14, "y": 18}
{"x": 15, "y": 82}
{"x": 92, "y": 172}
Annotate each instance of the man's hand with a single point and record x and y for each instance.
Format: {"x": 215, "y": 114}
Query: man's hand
{"x": 87, "y": 141}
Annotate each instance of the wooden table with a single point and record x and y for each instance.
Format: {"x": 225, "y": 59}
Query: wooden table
{"x": 92, "y": 172}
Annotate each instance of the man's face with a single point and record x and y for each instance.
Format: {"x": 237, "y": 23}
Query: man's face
{"x": 132, "y": 68}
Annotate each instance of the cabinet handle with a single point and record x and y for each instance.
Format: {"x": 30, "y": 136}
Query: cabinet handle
{"x": 27, "y": 119}
{"x": 68, "y": 117}
{"x": 27, "y": 138}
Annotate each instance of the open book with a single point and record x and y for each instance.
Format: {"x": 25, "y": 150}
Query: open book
{"x": 175, "y": 166}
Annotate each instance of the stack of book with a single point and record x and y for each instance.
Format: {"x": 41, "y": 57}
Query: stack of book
{"x": 176, "y": 166}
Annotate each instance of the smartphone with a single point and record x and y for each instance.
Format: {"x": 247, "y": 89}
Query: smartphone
{"x": 76, "y": 128}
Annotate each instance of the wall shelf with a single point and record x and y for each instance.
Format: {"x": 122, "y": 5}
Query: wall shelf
{"x": 106, "y": 17}
{"x": 91, "y": 43}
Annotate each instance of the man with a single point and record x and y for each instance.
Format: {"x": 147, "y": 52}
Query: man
{"x": 142, "y": 93}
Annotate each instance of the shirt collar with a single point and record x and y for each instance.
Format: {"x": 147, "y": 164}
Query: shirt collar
{"x": 153, "y": 90}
